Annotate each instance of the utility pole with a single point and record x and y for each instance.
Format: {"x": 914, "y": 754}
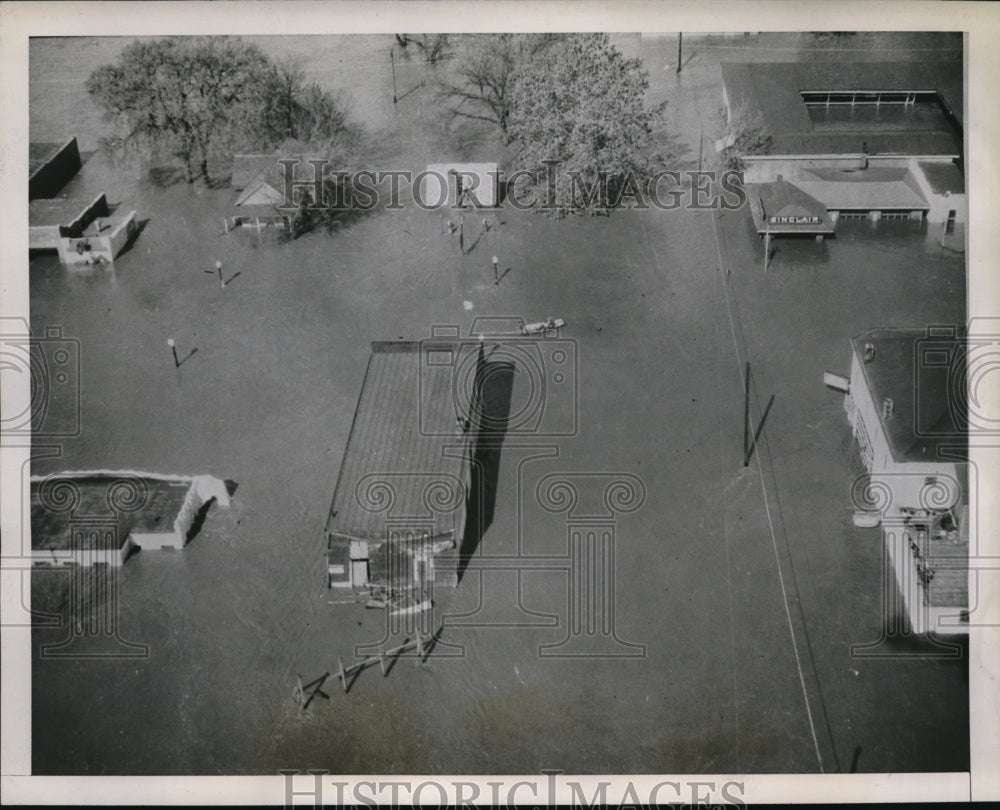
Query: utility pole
{"x": 392, "y": 58}
{"x": 767, "y": 232}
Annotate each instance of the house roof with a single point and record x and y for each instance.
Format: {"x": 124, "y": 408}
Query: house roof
{"x": 874, "y": 188}
{"x": 404, "y": 438}
{"x": 923, "y": 375}
{"x": 260, "y": 192}
{"x": 773, "y": 89}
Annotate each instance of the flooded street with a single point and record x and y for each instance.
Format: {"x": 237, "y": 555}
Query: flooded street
{"x": 709, "y": 679}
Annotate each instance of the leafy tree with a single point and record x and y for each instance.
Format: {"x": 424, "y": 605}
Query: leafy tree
{"x": 185, "y": 96}
{"x": 484, "y": 68}
{"x": 190, "y": 97}
{"x": 302, "y": 112}
{"x": 581, "y": 103}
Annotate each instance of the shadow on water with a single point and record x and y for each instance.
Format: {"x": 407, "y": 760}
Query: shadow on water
{"x": 139, "y": 228}
{"x": 495, "y": 382}
{"x": 165, "y": 176}
{"x": 199, "y": 520}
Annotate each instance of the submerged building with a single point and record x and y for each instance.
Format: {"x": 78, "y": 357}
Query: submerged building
{"x": 906, "y": 407}
{"x": 99, "y": 517}
{"x": 865, "y": 140}
{"x": 398, "y": 513}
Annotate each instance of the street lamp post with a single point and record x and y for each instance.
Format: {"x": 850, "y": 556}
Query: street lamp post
{"x": 173, "y": 348}
{"x": 496, "y": 275}
{"x": 218, "y": 269}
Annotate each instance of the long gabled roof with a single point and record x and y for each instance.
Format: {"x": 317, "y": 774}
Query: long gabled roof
{"x": 405, "y": 455}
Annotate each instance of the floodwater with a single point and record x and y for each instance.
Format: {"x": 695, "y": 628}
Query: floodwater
{"x": 267, "y": 401}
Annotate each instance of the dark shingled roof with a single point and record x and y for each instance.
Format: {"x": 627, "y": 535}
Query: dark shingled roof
{"x": 920, "y": 374}
{"x": 774, "y": 90}
{"x": 405, "y": 422}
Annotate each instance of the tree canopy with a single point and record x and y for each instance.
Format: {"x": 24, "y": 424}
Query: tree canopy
{"x": 484, "y": 66}
{"x": 188, "y": 97}
{"x": 581, "y": 103}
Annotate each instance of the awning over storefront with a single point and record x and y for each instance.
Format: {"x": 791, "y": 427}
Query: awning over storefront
{"x": 783, "y": 208}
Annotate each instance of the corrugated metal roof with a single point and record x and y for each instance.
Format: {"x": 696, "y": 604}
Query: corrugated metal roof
{"x": 928, "y": 409}
{"x": 774, "y": 90}
{"x": 405, "y": 453}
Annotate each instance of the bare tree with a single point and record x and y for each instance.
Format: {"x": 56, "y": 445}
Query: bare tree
{"x": 484, "y": 67}
{"x": 744, "y": 133}
{"x": 434, "y": 47}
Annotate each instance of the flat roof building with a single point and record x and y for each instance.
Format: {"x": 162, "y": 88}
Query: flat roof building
{"x": 906, "y": 407}
{"x": 50, "y": 167}
{"x": 100, "y": 516}
{"x": 868, "y": 140}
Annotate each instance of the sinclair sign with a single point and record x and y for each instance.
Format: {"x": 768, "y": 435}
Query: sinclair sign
{"x": 803, "y": 220}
